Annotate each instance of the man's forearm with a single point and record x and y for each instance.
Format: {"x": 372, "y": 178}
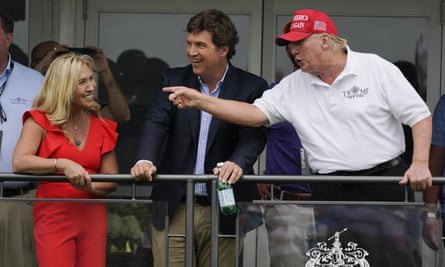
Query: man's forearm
{"x": 117, "y": 103}
{"x": 422, "y": 140}
{"x": 233, "y": 111}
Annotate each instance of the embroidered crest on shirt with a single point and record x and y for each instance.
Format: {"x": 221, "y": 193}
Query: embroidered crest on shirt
{"x": 355, "y": 92}
{"x": 19, "y": 100}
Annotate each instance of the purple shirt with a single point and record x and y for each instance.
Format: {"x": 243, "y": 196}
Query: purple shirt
{"x": 283, "y": 155}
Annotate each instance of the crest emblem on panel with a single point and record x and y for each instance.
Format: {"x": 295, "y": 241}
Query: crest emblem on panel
{"x": 337, "y": 256}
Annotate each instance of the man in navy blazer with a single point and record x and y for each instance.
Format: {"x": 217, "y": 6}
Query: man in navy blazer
{"x": 175, "y": 141}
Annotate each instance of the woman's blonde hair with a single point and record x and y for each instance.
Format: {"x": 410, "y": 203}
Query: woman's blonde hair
{"x": 56, "y": 95}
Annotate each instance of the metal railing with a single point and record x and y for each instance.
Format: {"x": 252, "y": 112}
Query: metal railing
{"x": 190, "y": 180}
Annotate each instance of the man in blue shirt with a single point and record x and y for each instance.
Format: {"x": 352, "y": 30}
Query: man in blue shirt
{"x": 175, "y": 141}
{"x": 18, "y": 87}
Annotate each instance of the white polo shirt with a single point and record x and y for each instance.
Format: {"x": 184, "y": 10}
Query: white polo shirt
{"x": 353, "y": 124}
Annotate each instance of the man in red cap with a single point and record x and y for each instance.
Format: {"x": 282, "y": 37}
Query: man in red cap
{"x": 347, "y": 108}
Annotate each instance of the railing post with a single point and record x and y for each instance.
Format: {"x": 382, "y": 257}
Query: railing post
{"x": 237, "y": 242}
{"x": 189, "y": 231}
{"x": 133, "y": 191}
{"x": 215, "y": 227}
{"x": 166, "y": 246}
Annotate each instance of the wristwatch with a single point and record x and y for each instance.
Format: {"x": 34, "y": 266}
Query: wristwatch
{"x": 430, "y": 215}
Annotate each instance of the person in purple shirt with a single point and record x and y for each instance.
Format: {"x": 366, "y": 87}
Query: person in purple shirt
{"x": 289, "y": 226}
{"x": 285, "y": 155}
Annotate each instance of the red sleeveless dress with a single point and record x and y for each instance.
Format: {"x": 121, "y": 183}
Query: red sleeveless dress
{"x": 71, "y": 233}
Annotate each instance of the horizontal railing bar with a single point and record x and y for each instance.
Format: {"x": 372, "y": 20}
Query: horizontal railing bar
{"x": 190, "y": 179}
{"x": 93, "y": 200}
{"x": 199, "y": 178}
{"x": 346, "y": 203}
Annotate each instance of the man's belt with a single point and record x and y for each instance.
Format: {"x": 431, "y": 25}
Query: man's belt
{"x": 286, "y": 195}
{"x": 202, "y": 200}
{"x": 12, "y": 192}
{"x": 376, "y": 169}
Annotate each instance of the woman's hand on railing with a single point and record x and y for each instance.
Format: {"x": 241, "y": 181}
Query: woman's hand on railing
{"x": 76, "y": 174}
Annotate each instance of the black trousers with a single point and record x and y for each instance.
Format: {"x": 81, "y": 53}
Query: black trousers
{"x": 365, "y": 192}
{"x": 386, "y": 232}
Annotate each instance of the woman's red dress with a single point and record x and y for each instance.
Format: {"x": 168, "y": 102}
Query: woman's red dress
{"x": 71, "y": 233}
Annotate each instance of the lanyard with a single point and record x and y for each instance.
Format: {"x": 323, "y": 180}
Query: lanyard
{"x": 2, "y": 89}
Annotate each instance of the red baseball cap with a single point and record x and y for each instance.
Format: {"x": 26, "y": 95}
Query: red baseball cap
{"x": 304, "y": 23}
{"x": 286, "y": 27}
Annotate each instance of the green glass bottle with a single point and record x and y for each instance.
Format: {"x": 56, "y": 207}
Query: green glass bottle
{"x": 226, "y": 197}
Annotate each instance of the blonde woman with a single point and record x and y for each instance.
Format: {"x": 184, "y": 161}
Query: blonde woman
{"x": 64, "y": 134}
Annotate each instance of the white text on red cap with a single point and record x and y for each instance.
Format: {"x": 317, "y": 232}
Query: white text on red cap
{"x": 301, "y": 17}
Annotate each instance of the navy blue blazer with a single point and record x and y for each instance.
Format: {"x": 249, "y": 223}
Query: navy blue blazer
{"x": 169, "y": 138}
